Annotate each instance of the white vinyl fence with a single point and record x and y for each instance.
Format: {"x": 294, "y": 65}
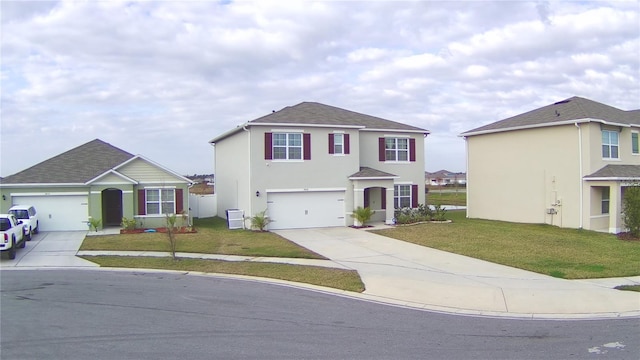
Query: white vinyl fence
{"x": 203, "y": 206}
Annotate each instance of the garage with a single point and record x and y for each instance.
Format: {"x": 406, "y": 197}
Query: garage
{"x": 58, "y": 212}
{"x": 291, "y": 210}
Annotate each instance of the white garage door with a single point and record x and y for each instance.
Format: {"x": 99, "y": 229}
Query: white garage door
{"x": 293, "y": 210}
{"x": 58, "y": 212}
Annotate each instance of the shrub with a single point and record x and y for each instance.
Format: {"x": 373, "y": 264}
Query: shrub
{"x": 94, "y": 223}
{"x": 362, "y": 215}
{"x": 438, "y": 213}
{"x": 260, "y": 221}
{"x": 128, "y": 224}
{"x": 419, "y": 214}
{"x": 631, "y": 209}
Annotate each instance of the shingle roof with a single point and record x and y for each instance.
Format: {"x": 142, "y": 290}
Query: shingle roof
{"x": 77, "y": 165}
{"x": 367, "y": 172}
{"x": 617, "y": 171}
{"x": 314, "y": 113}
{"x": 574, "y": 108}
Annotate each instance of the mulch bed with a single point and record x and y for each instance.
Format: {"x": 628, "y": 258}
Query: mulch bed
{"x": 626, "y": 236}
{"x": 181, "y": 230}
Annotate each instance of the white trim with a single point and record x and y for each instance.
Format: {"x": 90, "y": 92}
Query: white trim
{"x": 403, "y": 183}
{"x": 306, "y": 125}
{"x": 395, "y": 136}
{"x": 304, "y": 190}
{"x": 3, "y": 185}
{"x": 111, "y": 171}
{"x": 403, "y": 162}
{"x": 612, "y": 179}
{"x": 375, "y": 178}
{"x": 534, "y": 126}
{"x": 159, "y": 187}
{"x": 399, "y": 130}
{"x": 51, "y": 194}
{"x": 599, "y": 216}
{"x": 287, "y": 161}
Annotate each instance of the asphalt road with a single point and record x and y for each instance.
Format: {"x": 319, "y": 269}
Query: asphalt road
{"x": 88, "y": 314}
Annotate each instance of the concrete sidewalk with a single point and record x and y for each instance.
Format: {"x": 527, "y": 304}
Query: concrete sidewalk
{"x": 411, "y": 275}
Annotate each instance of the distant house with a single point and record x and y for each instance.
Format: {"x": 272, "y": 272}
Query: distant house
{"x": 565, "y": 164}
{"x": 311, "y": 164}
{"x": 100, "y": 181}
{"x": 444, "y": 178}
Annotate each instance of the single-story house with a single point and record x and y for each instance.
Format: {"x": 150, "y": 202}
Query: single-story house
{"x": 100, "y": 181}
{"x": 311, "y": 165}
{"x": 566, "y": 164}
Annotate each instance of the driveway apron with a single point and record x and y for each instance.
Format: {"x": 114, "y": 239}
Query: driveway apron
{"x": 412, "y": 275}
{"x": 50, "y": 249}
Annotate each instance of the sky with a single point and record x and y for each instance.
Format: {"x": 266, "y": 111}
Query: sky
{"x": 163, "y": 78}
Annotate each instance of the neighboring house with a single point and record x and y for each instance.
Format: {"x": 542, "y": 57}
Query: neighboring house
{"x": 444, "y": 178}
{"x": 565, "y": 164}
{"x": 310, "y": 165}
{"x": 100, "y": 181}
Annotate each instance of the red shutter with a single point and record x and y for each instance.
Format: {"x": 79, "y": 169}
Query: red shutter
{"x": 331, "y": 144}
{"x": 179, "y": 201}
{"x": 346, "y": 143}
{"x": 414, "y": 196}
{"x": 381, "y": 156}
{"x": 268, "y": 146}
{"x": 306, "y": 143}
{"x": 383, "y": 198}
{"x": 412, "y": 149}
{"x": 142, "y": 203}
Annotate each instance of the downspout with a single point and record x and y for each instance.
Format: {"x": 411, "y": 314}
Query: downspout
{"x": 580, "y": 177}
{"x": 250, "y": 213}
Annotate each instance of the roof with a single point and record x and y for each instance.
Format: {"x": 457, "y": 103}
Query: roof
{"x": 369, "y": 173}
{"x": 617, "y": 172}
{"x": 445, "y": 174}
{"x": 562, "y": 112}
{"x": 77, "y": 165}
{"x": 316, "y": 114}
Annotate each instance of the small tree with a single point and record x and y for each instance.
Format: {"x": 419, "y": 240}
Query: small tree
{"x": 362, "y": 215}
{"x": 260, "y": 221}
{"x": 171, "y": 232}
{"x": 631, "y": 210}
{"x": 94, "y": 223}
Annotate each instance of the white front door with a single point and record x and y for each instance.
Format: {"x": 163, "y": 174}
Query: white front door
{"x": 291, "y": 210}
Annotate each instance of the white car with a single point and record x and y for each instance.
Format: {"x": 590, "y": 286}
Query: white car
{"x": 29, "y": 217}
{"x": 11, "y": 235}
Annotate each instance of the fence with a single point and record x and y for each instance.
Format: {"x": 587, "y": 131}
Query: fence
{"x": 203, "y": 206}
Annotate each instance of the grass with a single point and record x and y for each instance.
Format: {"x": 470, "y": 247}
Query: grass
{"x": 212, "y": 237}
{"x": 545, "y": 249}
{"x": 449, "y": 197}
{"x": 629, "y": 287}
{"x": 335, "y": 278}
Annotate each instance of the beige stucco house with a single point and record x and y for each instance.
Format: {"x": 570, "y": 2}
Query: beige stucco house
{"x": 100, "y": 181}
{"x": 310, "y": 165}
{"x": 565, "y": 164}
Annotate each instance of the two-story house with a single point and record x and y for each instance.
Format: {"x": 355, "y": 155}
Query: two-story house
{"x": 565, "y": 164}
{"x": 310, "y": 165}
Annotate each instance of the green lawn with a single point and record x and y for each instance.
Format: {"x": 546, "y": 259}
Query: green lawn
{"x": 212, "y": 237}
{"x": 546, "y": 249}
{"x": 436, "y": 197}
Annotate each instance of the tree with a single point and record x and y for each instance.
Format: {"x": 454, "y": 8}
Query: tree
{"x": 171, "y": 232}
{"x": 631, "y": 209}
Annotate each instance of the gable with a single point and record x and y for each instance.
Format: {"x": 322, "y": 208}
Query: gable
{"x": 144, "y": 171}
{"x": 112, "y": 178}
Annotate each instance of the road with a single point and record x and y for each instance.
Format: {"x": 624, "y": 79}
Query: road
{"x": 90, "y": 314}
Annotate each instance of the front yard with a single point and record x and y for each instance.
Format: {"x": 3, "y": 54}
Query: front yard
{"x": 545, "y": 249}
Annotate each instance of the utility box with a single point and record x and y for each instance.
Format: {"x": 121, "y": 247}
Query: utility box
{"x": 235, "y": 219}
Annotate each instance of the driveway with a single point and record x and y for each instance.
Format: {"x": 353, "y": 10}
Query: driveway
{"x": 407, "y": 274}
{"x": 50, "y": 249}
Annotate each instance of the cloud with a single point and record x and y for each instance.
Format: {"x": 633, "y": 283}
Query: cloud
{"x": 161, "y": 78}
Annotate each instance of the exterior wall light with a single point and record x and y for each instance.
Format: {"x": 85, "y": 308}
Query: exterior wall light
{"x": 257, "y": 193}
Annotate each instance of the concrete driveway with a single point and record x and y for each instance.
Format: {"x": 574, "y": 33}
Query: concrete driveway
{"x": 406, "y": 274}
{"x": 50, "y": 249}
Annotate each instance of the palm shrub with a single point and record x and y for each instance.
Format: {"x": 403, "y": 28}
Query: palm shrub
{"x": 631, "y": 210}
{"x": 260, "y": 221}
{"x": 362, "y": 215}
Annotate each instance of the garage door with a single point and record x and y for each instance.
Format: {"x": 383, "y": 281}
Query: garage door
{"x": 293, "y": 210}
{"x": 58, "y": 212}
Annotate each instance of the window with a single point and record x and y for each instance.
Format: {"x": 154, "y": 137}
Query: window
{"x": 160, "y": 201}
{"x": 635, "y": 148}
{"x": 401, "y": 196}
{"x": 609, "y": 144}
{"x": 396, "y": 149}
{"x": 338, "y": 144}
{"x": 287, "y": 146}
{"x": 605, "y": 200}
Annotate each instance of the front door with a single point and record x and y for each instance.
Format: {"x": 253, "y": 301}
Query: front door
{"x": 111, "y": 207}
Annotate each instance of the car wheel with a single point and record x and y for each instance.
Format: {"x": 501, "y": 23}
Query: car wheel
{"x": 36, "y": 230}
{"x": 28, "y": 236}
{"x": 12, "y": 251}
{"x": 23, "y": 244}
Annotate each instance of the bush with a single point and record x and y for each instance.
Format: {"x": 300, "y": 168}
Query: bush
{"x": 94, "y": 223}
{"x": 128, "y": 224}
{"x": 260, "y": 221}
{"x": 419, "y": 214}
{"x": 362, "y": 215}
{"x": 631, "y": 209}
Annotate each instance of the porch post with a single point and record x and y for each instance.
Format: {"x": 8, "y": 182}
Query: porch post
{"x": 615, "y": 208}
{"x": 390, "y": 206}
{"x": 358, "y": 200}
